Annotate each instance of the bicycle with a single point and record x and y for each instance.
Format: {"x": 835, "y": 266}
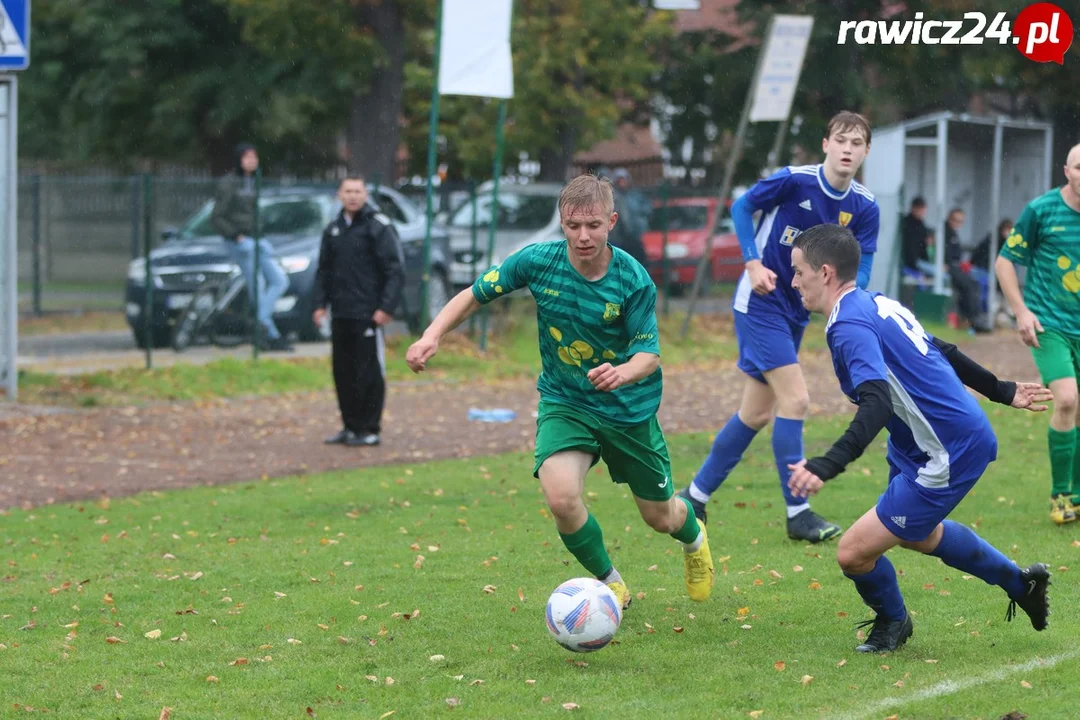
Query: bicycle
{"x": 219, "y": 311}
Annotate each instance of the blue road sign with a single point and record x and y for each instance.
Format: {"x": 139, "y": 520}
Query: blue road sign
{"x": 14, "y": 34}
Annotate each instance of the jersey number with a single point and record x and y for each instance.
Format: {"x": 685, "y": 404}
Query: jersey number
{"x": 905, "y": 320}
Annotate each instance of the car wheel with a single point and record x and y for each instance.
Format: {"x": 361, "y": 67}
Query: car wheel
{"x": 440, "y": 290}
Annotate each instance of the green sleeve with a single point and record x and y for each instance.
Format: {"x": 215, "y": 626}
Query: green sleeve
{"x": 640, "y": 314}
{"x": 1020, "y": 246}
{"x": 504, "y": 279}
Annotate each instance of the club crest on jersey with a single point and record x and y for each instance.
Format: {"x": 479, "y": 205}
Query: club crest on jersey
{"x": 611, "y": 311}
{"x": 845, "y": 218}
{"x": 789, "y": 235}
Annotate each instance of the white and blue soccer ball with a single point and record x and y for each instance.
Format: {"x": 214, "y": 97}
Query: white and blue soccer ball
{"x": 583, "y": 615}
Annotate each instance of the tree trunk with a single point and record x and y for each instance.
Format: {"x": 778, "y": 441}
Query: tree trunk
{"x": 373, "y": 133}
{"x": 555, "y": 162}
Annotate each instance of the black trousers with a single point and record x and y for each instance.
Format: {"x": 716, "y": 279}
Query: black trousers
{"x": 359, "y": 373}
{"x": 968, "y": 297}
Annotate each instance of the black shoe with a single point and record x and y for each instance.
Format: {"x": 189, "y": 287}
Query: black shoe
{"x": 365, "y": 440}
{"x": 340, "y": 438}
{"x": 699, "y": 507}
{"x": 1035, "y": 601}
{"x": 886, "y": 635}
{"x": 278, "y": 344}
{"x": 808, "y": 525}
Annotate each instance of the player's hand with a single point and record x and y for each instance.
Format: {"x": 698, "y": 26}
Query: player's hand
{"x": 607, "y": 377}
{"x": 319, "y": 316}
{"x": 762, "y": 279}
{"x": 420, "y": 352}
{"x": 1029, "y": 327}
{"x": 1030, "y": 396}
{"x": 380, "y": 318}
{"x": 802, "y": 482}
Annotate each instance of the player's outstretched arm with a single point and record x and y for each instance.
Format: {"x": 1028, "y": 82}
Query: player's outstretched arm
{"x": 453, "y": 314}
{"x": 1025, "y": 396}
{"x": 875, "y": 409}
{"x": 608, "y": 377}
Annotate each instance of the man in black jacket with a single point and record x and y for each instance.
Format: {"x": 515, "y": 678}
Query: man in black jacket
{"x": 360, "y": 277}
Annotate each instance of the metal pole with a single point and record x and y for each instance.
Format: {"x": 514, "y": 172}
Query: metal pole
{"x": 148, "y": 300}
{"x": 995, "y": 218}
{"x": 942, "y": 159}
{"x": 134, "y": 216}
{"x": 11, "y": 331}
{"x": 494, "y": 211}
{"x": 35, "y": 241}
{"x": 472, "y": 251}
{"x": 665, "y": 263}
{"x": 729, "y": 176}
{"x": 433, "y": 137}
{"x": 256, "y": 327}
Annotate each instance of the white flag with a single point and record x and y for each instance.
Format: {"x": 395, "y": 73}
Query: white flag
{"x": 475, "y": 54}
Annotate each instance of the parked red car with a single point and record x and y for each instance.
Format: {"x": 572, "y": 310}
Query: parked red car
{"x": 689, "y": 222}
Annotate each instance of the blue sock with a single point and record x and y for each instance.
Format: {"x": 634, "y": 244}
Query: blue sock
{"x": 787, "y": 449}
{"x": 879, "y": 590}
{"x": 727, "y": 449}
{"x": 962, "y": 549}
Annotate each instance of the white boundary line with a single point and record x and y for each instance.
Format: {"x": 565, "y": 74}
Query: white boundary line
{"x": 950, "y": 687}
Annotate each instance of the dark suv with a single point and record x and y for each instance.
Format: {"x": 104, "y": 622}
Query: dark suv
{"x": 292, "y": 219}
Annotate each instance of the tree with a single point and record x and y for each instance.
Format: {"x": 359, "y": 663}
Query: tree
{"x": 580, "y": 67}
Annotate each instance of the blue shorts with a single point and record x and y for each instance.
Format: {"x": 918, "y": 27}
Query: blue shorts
{"x": 911, "y": 511}
{"x": 766, "y": 341}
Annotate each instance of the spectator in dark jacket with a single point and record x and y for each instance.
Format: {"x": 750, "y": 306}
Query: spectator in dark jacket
{"x": 967, "y": 289}
{"x": 233, "y": 217}
{"x": 360, "y": 279}
{"x": 914, "y": 240}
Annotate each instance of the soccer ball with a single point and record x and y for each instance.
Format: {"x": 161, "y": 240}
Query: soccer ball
{"x": 583, "y": 615}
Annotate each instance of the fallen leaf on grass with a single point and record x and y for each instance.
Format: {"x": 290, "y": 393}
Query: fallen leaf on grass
{"x": 452, "y": 701}
{"x": 521, "y": 595}
{"x": 806, "y": 680}
{"x": 477, "y": 681}
{"x": 796, "y": 568}
{"x": 1025, "y": 684}
{"x": 842, "y": 663}
{"x": 570, "y": 706}
{"x": 311, "y": 713}
{"x": 294, "y": 641}
{"x": 898, "y": 683}
{"x": 530, "y": 682}
{"x": 196, "y": 576}
{"x": 279, "y": 595}
{"x": 239, "y": 661}
{"x": 113, "y": 640}
{"x": 322, "y": 627}
{"x": 211, "y": 679}
{"x": 489, "y": 589}
{"x": 756, "y": 713}
{"x": 372, "y": 678}
{"x": 932, "y": 662}
{"x": 815, "y": 585}
{"x": 386, "y": 715}
{"x": 389, "y": 680}
{"x": 437, "y": 658}
{"x": 412, "y": 616}
{"x": 775, "y": 574}
{"x": 98, "y": 688}
{"x": 779, "y": 665}
{"x": 166, "y": 713}
{"x": 153, "y": 635}
{"x": 418, "y": 563}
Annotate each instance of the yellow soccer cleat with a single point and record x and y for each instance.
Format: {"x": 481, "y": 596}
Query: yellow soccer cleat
{"x": 621, "y": 592}
{"x": 700, "y": 572}
{"x": 1062, "y": 510}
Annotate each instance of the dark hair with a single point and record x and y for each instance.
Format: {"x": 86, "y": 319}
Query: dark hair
{"x": 833, "y": 245}
{"x": 954, "y": 211}
{"x": 918, "y": 202}
{"x": 1005, "y": 224}
{"x": 241, "y": 150}
{"x": 846, "y": 120}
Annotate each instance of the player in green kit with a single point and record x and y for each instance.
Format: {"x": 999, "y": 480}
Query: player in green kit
{"x": 601, "y": 382}
{"x": 1046, "y": 239}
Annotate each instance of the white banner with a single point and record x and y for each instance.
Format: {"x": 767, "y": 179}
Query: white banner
{"x": 780, "y": 67}
{"x": 475, "y": 55}
{"x": 677, "y": 4}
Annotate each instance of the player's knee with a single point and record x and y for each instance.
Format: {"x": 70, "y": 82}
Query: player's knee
{"x": 794, "y": 406}
{"x": 660, "y": 517}
{"x": 564, "y": 505}
{"x": 852, "y": 561}
{"x": 755, "y": 418}
{"x": 1065, "y": 402}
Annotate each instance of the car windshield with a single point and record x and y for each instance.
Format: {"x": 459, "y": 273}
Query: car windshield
{"x": 680, "y": 217}
{"x": 277, "y": 216}
{"x": 516, "y": 212}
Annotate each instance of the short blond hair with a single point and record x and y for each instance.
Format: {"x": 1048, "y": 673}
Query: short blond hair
{"x": 584, "y": 192}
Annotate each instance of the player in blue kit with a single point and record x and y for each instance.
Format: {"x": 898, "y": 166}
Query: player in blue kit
{"x": 770, "y": 318}
{"x": 940, "y": 440}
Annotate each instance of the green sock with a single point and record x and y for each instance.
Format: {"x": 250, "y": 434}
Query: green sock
{"x": 1062, "y": 460}
{"x": 1076, "y": 467}
{"x": 689, "y": 532}
{"x": 587, "y": 545}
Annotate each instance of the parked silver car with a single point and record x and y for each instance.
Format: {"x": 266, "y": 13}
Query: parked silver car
{"x": 526, "y": 214}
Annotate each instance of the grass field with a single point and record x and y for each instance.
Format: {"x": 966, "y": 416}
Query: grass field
{"x": 360, "y": 594}
{"x": 511, "y": 353}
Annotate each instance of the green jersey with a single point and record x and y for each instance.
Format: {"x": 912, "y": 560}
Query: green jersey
{"x": 583, "y": 324}
{"x": 1046, "y": 239}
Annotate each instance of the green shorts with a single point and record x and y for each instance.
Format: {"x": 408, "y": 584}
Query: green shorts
{"x": 636, "y": 455}
{"x": 1057, "y": 357}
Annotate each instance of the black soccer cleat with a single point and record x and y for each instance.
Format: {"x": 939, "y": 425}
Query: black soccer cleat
{"x": 699, "y": 507}
{"x": 1036, "y": 599}
{"x": 886, "y": 635}
{"x": 810, "y": 526}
